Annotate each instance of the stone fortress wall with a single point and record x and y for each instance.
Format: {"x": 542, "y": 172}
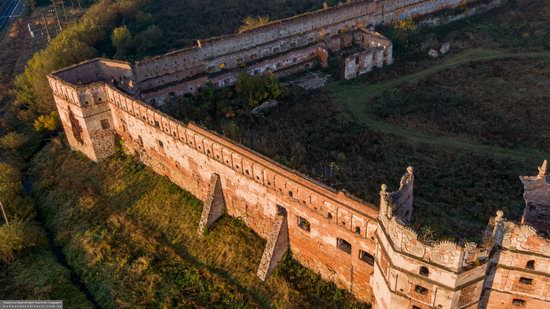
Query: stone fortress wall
{"x": 372, "y": 253}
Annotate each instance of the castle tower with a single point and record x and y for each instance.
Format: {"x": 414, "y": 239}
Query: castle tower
{"x": 519, "y": 272}
{"x": 85, "y": 116}
{"x": 412, "y": 273}
{"x": 80, "y": 96}
{"x": 86, "y": 119}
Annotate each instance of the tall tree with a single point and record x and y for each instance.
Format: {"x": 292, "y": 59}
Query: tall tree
{"x": 122, "y": 40}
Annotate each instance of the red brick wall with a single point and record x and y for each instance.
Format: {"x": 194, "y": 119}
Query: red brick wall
{"x": 253, "y": 186}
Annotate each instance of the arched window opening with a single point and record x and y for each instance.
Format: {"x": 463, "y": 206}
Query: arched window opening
{"x": 424, "y": 271}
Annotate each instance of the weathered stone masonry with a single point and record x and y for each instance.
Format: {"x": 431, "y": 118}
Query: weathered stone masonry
{"x": 372, "y": 253}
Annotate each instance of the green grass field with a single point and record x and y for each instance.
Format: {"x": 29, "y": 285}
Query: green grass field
{"x": 38, "y": 275}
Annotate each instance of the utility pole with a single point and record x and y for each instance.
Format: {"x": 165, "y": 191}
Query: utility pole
{"x": 57, "y": 16}
{"x": 64, "y": 13}
{"x": 4, "y": 213}
{"x": 46, "y": 26}
{"x": 72, "y": 6}
{"x": 42, "y": 28}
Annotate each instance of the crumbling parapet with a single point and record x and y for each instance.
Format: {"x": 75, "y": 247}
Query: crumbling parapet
{"x": 400, "y": 202}
{"x": 519, "y": 266}
{"x": 275, "y": 248}
{"x": 414, "y": 271}
{"x": 537, "y": 199}
{"x": 393, "y": 208}
{"x": 214, "y": 206}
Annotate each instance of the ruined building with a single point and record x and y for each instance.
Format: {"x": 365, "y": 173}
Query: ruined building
{"x": 372, "y": 253}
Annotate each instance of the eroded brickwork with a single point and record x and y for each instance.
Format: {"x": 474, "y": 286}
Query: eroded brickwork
{"x": 375, "y": 255}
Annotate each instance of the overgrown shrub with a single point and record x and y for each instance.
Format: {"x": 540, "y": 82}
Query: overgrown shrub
{"x": 82, "y": 40}
{"x": 17, "y": 237}
{"x": 10, "y": 183}
{"x": 13, "y": 141}
{"x": 257, "y": 89}
{"x": 47, "y": 122}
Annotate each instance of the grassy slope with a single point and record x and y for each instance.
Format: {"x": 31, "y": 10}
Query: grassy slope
{"x": 131, "y": 235}
{"x": 38, "y": 275}
{"x": 35, "y": 273}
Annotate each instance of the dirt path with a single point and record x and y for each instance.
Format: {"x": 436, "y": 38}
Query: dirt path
{"x": 357, "y": 96}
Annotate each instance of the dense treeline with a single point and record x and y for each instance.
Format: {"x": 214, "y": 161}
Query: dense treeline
{"x": 86, "y": 38}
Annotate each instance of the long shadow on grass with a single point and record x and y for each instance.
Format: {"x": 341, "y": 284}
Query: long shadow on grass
{"x": 135, "y": 191}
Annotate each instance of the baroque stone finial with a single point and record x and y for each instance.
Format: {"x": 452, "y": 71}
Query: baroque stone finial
{"x": 500, "y": 214}
{"x": 384, "y": 188}
{"x": 543, "y": 170}
{"x": 410, "y": 170}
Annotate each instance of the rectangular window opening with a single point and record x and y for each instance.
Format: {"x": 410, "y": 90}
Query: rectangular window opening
{"x": 303, "y": 223}
{"x": 421, "y": 290}
{"x": 344, "y": 245}
{"x": 105, "y": 124}
{"x": 366, "y": 257}
{"x": 524, "y": 280}
{"x": 518, "y": 302}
